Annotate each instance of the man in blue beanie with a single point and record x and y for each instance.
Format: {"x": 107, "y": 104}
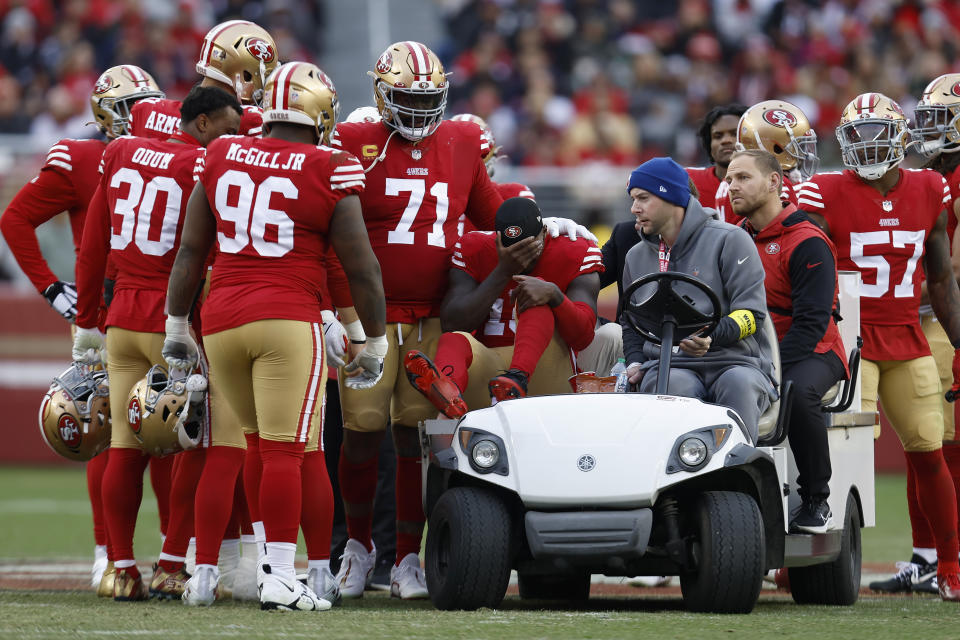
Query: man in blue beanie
{"x": 732, "y": 365}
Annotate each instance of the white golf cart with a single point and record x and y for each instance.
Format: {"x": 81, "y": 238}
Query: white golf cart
{"x": 562, "y": 487}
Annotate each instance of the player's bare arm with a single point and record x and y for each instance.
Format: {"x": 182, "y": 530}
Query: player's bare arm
{"x": 348, "y": 235}
{"x": 532, "y": 292}
{"x": 820, "y": 221}
{"x": 467, "y": 302}
{"x": 197, "y": 238}
{"x": 941, "y": 282}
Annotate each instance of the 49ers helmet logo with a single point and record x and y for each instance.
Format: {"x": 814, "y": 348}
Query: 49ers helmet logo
{"x": 69, "y": 431}
{"x": 103, "y": 85}
{"x": 385, "y": 63}
{"x": 955, "y": 89}
{"x": 780, "y": 118}
{"x": 513, "y": 231}
{"x": 260, "y": 49}
{"x": 134, "y": 415}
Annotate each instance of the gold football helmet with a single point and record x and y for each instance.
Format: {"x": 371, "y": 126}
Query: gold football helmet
{"x": 782, "y": 129}
{"x": 168, "y": 415}
{"x": 490, "y": 159}
{"x": 300, "y": 93}
{"x": 240, "y": 54}
{"x": 937, "y": 117}
{"x": 873, "y": 135}
{"x": 75, "y": 413}
{"x": 117, "y": 89}
{"x": 410, "y": 88}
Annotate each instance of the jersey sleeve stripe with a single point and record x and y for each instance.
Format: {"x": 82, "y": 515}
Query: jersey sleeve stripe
{"x": 594, "y": 250}
{"x": 53, "y": 155}
{"x": 347, "y": 185}
{"x": 59, "y": 147}
{"x": 256, "y": 131}
{"x": 459, "y": 263}
{"x": 526, "y": 194}
{"x": 356, "y": 166}
{"x": 812, "y": 203}
{"x": 58, "y": 163}
{"x": 595, "y": 265}
{"x": 346, "y": 178}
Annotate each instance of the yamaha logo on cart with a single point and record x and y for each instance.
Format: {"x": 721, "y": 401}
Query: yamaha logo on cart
{"x": 586, "y": 462}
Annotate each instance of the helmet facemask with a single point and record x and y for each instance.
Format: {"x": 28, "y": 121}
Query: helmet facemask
{"x": 872, "y": 146}
{"x": 936, "y": 130}
{"x": 414, "y": 113}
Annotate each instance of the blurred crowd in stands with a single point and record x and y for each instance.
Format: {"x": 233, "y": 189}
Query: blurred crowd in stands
{"x": 562, "y": 82}
{"x": 52, "y": 51}
{"x": 618, "y": 81}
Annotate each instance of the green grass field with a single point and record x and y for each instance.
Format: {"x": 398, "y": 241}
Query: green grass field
{"x": 44, "y": 516}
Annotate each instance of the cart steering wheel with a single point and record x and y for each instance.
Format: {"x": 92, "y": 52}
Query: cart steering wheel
{"x": 647, "y": 317}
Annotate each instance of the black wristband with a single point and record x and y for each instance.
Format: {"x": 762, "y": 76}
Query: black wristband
{"x": 358, "y": 342}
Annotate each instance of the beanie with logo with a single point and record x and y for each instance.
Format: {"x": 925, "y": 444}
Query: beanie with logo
{"x": 663, "y": 178}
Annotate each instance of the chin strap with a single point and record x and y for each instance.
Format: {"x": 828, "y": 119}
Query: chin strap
{"x": 383, "y": 154}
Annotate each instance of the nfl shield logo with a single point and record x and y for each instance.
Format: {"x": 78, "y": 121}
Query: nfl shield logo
{"x": 887, "y": 205}
{"x": 416, "y": 154}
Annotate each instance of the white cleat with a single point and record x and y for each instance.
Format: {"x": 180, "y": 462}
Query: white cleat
{"x": 288, "y": 595}
{"x": 242, "y": 580}
{"x": 203, "y": 587}
{"x": 356, "y": 569}
{"x": 99, "y": 566}
{"x": 651, "y": 582}
{"x": 407, "y": 580}
{"x": 325, "y": 585}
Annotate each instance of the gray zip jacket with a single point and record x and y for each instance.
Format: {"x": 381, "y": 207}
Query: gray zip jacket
{"x": 724, "y": 257}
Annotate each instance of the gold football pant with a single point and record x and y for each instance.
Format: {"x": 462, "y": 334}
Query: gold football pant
{"x": 272, "y": 373}
{"x": 393, "y": 396}
{"x": 909, "y": 391}
{"x": 130, "y": 354}
{"x": 943, "y": 355}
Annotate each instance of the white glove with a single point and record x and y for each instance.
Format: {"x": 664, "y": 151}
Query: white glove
{"x": 335, "y": 338}
{"x": 88, "y": 347}
{"x": 368, "y": 364}
{"x": 569, "y": 228}
{"x": 179, "y": 348}
{"x": 62, "y": 296}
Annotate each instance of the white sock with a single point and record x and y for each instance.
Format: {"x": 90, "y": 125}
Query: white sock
{"x": 215, "y": 570}
{"x": 318, "y": 564}
{"x": 229, "y": 555}
{"x": 191, "y": 560}
{"x": 171, "y": 558}
{"x": 100, "y": 552}
{"x": 930, "y": 555}
{"x": 249, "y": 544}
{"x": 280, "y": 557}
{"x": 260, "y": 536}
{"x": 124, "y": 564}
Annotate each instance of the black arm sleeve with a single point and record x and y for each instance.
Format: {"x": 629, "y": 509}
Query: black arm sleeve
{"x": 725, "y": 333}
{"x": 632, "y": 344}
{"x": 812, "y": 284}
{"x": 610, "y": 273}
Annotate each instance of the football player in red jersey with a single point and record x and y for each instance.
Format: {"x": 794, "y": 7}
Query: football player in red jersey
{"x": 936, "y": 137}
{"x": 136, "y": 212}
{"x": 237, "y": 56}
{"x": 801, "y": 286}
{"x": 718, "y": 136}
{"x": 272, "y": 205}
{"x": 884, "y": 220}
{"x": 510, "y": 291}
{"x": 66, "y": 182}
{"x": 422, "y": 172}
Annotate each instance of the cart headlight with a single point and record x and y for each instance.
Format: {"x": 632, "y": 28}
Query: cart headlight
{"x": 485, "y": 453}
{"x": 692, "y": 452}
